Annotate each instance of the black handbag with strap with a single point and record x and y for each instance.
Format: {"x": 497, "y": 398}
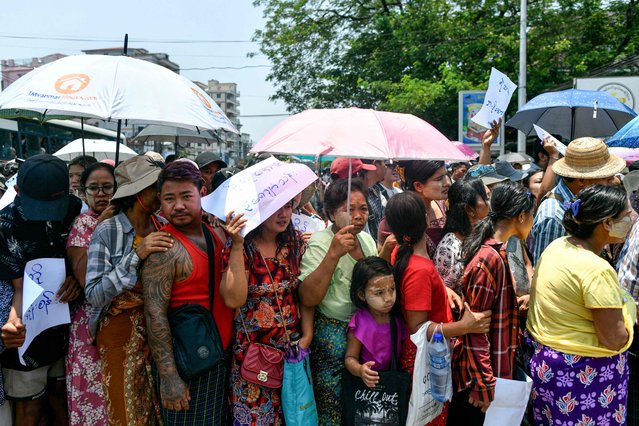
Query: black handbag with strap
{"x": 197, "y": 346}
{"x": 386, "y": 403}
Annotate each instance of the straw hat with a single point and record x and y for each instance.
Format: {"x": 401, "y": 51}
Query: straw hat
{"x": 588, "y": 158}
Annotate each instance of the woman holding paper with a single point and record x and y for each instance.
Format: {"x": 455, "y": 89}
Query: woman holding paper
{"x": 326, "y": 272}
{"x": 84, "y": 376}
{"x": 260, "y": 279}
{"x": 580, "y": 319}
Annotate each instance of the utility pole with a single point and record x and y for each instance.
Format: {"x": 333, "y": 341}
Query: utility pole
{"x": 521, "y": 137}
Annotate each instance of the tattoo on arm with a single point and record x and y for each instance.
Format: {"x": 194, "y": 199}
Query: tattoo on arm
{"x": 158, "y": 275}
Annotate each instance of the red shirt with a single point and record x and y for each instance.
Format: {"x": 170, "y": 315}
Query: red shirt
{"x": 195, "y": 288}
{"x": 422, "y": 289}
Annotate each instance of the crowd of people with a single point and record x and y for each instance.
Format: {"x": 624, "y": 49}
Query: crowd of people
{"x": 529, "y": 268}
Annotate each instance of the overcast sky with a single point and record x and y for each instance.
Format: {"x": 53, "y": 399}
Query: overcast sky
{"x": 103, "y": 24}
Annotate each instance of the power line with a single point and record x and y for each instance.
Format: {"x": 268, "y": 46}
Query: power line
{"x": 263, "y": 115}
{"x": 114, "y": 40}
{"x": 225, "y": 68}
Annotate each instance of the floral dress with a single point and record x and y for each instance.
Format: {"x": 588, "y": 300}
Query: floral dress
{"x": 84, "y": 375}
{"x": 253, "y": 404}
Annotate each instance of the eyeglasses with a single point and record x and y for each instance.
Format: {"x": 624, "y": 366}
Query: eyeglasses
{"x": 481, "y": 170}
{"x": 95, "y": 189}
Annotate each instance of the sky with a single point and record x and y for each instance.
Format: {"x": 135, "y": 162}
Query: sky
{"x": 30, "y": 28}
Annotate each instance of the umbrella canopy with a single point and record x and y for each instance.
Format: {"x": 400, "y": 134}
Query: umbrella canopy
{"x": 158, "y": 132}
{"x": 573, "y": 114}
{"x": 112, "y": 88}
{"x": 470, "y": 153}
{"x": 516, "y": 157}
{"x": 99, "y": 148}
{"x": 629, "y": 154}
{"x": 628, "y": 136}
{"x": 358, "y": 133}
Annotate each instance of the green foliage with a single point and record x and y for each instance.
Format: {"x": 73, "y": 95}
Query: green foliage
{"x": 415, "y": 55}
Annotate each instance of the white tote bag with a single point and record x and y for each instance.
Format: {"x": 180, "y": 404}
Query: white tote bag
{"x": 422, "y": 407}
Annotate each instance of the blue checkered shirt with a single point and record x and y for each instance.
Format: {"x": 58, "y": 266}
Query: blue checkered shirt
{"x": 628, "y": 264}
{"x": 548, "y": 220}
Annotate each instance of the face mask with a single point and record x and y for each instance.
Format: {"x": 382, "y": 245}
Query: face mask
{"x": 620, "y": 228}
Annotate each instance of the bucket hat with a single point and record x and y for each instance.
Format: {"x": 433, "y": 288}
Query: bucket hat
{"x": 136, "y": 174}
{"x": 43, "y": 182}
{"x": 588, "y": 158}
{"x": 506, "y": 169}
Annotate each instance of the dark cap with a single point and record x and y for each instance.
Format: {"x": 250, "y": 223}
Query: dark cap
{"x": 207, "y": 157}
{"x": 43, "y": 184}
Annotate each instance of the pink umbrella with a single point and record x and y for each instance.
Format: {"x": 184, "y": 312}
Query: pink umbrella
{"x": 629, "y": 154}
{"x": 358, "y": 133}
{"x": 470, "y": 153}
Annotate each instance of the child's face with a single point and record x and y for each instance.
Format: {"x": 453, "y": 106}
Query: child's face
{"x": 380, "y": 294}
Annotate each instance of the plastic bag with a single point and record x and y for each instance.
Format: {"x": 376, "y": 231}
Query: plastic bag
{"x": 422, "y": 407}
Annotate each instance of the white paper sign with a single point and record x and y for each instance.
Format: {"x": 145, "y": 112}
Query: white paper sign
{"x": 259, "y": 191}
{"x": 40, "y": 308}
{"x": 509, "y": 405}
{"x": 304, "y": 223}
{"x": 8, "y": 197}
{"x": 500, "y": 90}
{"x": 542, "y": 134}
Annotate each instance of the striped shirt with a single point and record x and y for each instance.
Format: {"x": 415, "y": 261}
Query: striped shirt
{"x": 112, "y": 265}
{"x": 548, "y": 220}
{"x": 628, "y": 264}
{"x": 481, "y": 358}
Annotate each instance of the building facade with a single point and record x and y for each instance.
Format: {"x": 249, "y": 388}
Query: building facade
{"x": 13, "y": 69}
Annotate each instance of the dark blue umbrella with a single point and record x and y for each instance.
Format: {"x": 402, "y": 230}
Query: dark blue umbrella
{"x": 628, "y": 136}
{"x": 573, "y": 114}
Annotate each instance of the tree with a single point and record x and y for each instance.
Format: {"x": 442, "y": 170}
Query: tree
{"x": 415, "y": 55}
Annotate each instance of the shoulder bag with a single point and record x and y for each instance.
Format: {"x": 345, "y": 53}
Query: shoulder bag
{"x": 263, "y": 364}
{"x": 197, "y": 346}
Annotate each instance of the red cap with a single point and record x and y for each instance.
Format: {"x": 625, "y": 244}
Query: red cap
{"x": 339, "y": 166}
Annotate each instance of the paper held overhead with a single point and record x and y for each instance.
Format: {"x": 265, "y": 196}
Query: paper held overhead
{"x": 500, "y": 90}
{"x": 259, "y": 191}
{"x": 544, "y": 134}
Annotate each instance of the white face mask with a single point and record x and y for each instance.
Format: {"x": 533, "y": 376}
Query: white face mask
{"x": 620, "y": 228}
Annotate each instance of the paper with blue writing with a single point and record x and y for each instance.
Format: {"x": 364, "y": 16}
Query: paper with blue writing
{"x": 500, "y": 90}
{"x": 259, "y": 191}
{"x": 304, "y": 223}
{"x": 40, "y": 308}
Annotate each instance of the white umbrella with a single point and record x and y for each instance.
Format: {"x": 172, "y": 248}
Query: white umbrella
{"x": 99, "y": 148}
{"x": 112, "y": 88}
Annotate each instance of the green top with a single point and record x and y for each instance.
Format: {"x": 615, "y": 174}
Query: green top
{"x": 337, "y": 302}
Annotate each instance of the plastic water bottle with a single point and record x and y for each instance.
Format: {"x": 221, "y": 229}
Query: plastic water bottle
{"x": 439, "y": 367}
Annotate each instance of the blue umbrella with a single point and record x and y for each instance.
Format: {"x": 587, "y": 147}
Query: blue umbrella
{"x": 573, "y": 114}
{"x": 628, "y": 136}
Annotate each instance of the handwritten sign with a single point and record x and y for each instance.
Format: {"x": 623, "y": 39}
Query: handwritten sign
{"x": 304, "y": 223}
{"x": 500, "y": 90}
{"x": 40, "y": 309}
{"x": 259, "y": 191}
{"x": 542, "y": 134}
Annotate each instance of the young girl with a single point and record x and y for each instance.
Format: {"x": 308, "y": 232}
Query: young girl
{"x": 373, "y": 292}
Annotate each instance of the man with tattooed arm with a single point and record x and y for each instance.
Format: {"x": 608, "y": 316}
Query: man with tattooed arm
{"x": 179, "y": 276}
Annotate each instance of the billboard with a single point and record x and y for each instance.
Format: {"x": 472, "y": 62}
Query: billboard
{"x": 626, "y": 89}
{"x": 470, "y": 102}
